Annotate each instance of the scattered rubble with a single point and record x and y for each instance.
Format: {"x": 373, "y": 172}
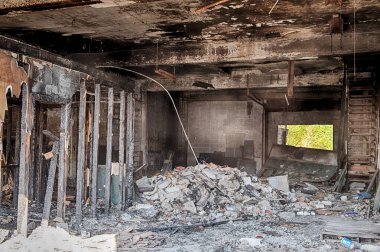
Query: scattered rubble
{"x": 206, "y": 192}
{"x": 56, "y": 239}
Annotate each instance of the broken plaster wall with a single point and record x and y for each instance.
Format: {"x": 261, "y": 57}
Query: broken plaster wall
{"x": 223, "y": 126}
{"x": 302, "y": 117}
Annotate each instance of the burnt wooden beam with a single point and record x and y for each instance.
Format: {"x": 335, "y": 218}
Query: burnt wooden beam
{"x": 290, "y": 78}
{"x": 32, "y": 159}
{"x": 95, "y": 147}
{"x": 1, "y": 161}
{"x": 108, "y": 79}
{"x": 50, "y": 186}
{"x": 9, "y": 134}
{"x": 64, "y": 137}
{"x": 26, "y": 121}
{"x": 121, "y": 148}
{"x": 17, "y": 158}
{"x": 107, "y": 193}
{"x": 244, "y": 52}
{"x": 280, "y": 80}
{"x": 42, "y": 114}
{"x": 130, "y": 149}
{"x": 81, "y": 155}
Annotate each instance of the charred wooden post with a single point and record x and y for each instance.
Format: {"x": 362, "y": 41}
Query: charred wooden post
{"x": 39, "y": 150}
{"x": 26, "y": 122}
{"x": 17, "y": 160}
{"x": 63, "y": 158}
{"x": 50, "y": 184}
{"x": 130, "y": 149}
{"x": 88, "y": 151}
{"x": 121, "y": 148}
{"x": 1, "y": 161}
{"x": 81, "y": 154}
{"x": 290, "y": 78}
{"x": 95, "y": 146}
{"x": 32, "y": 165}
{"x": 109, "y": 151}
{"x": 9, "y": 134}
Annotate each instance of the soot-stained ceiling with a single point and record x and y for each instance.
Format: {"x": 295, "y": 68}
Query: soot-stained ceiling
{"x": 221, "y": 39}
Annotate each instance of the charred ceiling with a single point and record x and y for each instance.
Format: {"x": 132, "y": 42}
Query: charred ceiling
{"x": 200, "y": 37}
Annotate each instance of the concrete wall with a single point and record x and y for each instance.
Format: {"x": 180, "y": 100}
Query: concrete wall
{"x": 309, "y": 117}
{"x": 218, "y": 125}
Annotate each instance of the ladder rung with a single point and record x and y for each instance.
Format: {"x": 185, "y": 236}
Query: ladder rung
{"x": 361, "y": 96}
{"x": 361, "y": 88}
{"x": 363, "y": 134}
{"x": 361, "y": 126}
{"x": 361, "y": 120}
{"x": 361, "y": 112}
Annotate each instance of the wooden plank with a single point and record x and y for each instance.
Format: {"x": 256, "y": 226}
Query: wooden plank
{"x": 38, "y": 152}
{"x": 64, "y": 139}
{"x": 80, "y": 155}
{"x": 26, "y": 117}
{"x": 130, "y": 149}
{"x": 50, "y": 186}
{"x": 1, "y": 162}
{"x": 9, "y": 134}
{"x": 17, "y": 157}
{"x": 109, "y": 151}
{"x": 290, "y": 78}
{"x": 32, "y": 165}
{"x": 121, "y": 148}
{"x": 95, "y": 147}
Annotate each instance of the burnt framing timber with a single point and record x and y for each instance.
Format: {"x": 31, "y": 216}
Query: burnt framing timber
{"x": 108, "y": 79}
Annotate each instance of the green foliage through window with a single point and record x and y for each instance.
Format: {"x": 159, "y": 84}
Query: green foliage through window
{"x": 310, "y": 136}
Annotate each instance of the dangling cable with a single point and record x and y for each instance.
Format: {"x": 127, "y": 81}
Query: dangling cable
{"x": 354, "y": 40}
{"x": 171, "y": 99}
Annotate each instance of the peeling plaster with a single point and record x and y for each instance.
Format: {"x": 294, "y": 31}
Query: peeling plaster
{"x": 11, "y": 76}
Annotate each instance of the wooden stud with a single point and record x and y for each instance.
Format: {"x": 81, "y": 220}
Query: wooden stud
{"x": 64, "y": 137}
{"x": 17, "y": 159}
{"x": 1, "y": 161}
{"x": 121, "y": 148}
{"x": 81, "y": 154}
{"x": 26, "y": 118}
{"x": 290, "y": 78}
{"x": 9, "y": 134}
{"x": 39, "y": 150}
{"x": 109, "y": 151}
{"x": 50, "y": 186}
{"x": 32, "y": 165}
{"x": 95, "y": 147}
{"x": 130, "y": 149}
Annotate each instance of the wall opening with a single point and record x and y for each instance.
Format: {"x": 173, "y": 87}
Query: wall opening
{"x": 313, "y": 136}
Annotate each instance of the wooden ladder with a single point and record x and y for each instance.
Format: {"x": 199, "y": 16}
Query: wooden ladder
{"x": 362, "y": 131}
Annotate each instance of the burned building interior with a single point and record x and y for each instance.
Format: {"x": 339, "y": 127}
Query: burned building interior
{"x": 206, "y": 125}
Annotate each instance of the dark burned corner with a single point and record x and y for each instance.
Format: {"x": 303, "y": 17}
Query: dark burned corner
{"x": 198, "y": 125}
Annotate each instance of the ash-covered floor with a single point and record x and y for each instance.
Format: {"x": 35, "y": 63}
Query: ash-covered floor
{"x": 209, "y": 208}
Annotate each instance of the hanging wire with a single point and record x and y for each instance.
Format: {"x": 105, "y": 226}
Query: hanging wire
{"x": 354, "y": 40}
{"x": 171, "y": 99}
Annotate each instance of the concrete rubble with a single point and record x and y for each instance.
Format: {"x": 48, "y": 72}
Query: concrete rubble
{"x": 206, "y": 193}
{"x": 210, "y": 193}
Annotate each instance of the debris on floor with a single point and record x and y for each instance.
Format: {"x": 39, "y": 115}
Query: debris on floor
{"x": 205, "y": 193}
{"x": 56, "y": 239}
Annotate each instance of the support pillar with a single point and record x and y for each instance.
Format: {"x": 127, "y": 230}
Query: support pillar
{"x": 26, "y": 122}
{"x": 121, "y": 148}
{"x": 109, "y": 151}
{"x": 130, "y": 149}
{"x": 81, "y": 154}
{"x": 95, "y": 147}
{"x": 64, "y": 139}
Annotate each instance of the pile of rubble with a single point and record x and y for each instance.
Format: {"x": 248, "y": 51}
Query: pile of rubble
{"x": 209, "y": 192}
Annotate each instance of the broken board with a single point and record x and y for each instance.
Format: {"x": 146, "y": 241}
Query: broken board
{"x": 357, "y": 230}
